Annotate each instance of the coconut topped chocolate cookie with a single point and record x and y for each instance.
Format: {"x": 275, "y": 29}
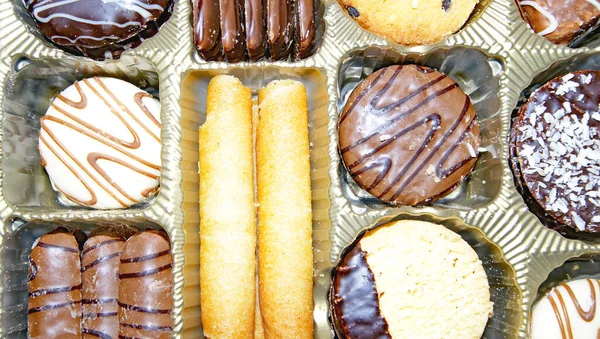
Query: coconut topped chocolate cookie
{"x": 556, "y": 148}
{"x": 408, "y": 135}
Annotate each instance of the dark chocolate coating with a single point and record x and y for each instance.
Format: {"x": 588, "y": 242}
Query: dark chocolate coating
{"x": 146, "y": 286}
{"x": 573, "y": 18}
{"x": 100, "y": 261}
{"x": 354, "y": 300}
{"x": 233, "y": 35}
{"x": 99, "y": 29}
{"x": 559, "y": 182}
{"x": 408, "y": 135}
{"x": 54, "y": 283}
{"x": 207, "y": 29}
{"x": 305, "y": 28}
{"x": 256, "y": 39}
{"x": 279, "y": 28}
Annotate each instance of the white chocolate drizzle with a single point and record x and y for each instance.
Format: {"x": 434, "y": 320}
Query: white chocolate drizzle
{"x": 553, "y": 22}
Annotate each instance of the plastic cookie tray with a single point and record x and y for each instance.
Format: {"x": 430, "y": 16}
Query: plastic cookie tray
{"x": 495, "y": 58}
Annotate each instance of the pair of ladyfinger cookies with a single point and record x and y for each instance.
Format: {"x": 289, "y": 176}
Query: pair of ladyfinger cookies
{"x": 119, "y": 289}
{"x": 228, "y": 230}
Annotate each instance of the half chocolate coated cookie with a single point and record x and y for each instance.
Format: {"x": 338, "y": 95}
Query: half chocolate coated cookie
{"x": 410, "y": 279}
{"x": 408, "y": 135}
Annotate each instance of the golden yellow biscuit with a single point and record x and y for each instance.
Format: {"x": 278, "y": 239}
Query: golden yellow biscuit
{"x": 410, "y": 22}
{"x": 284, "y": 213}
{"x": 227, "y": 212}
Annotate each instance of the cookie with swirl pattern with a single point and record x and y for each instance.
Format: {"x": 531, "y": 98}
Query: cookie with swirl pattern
{"x": 99, "y": 29}
{"x": 100, "y": 143}
{"x": 561, "y": 21}
{"x": 408, "y": 135}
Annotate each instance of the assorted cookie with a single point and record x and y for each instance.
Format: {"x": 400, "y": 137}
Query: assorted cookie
{"x": 250, "y": 30}
{"x": 410, "y": 22}
{"x": 100, "y": 143}
{"x": 561, "y": 21}
{"x": 99, "y": 29}
{"x": 569, "y": 310}
{"x": 555, "y": 153}
{"x": 408, "y": 135}
{"x": 114, "y": 288}
{"x": 405, "y": 273}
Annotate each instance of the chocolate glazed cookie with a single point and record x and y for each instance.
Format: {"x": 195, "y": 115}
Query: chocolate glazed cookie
{"x": 99, "y": 29}
{"x": 555, "y": 153}
{"x": 146, "y": 287}
{"x": 408, "y": 135}
{"x": 54, "y": 282}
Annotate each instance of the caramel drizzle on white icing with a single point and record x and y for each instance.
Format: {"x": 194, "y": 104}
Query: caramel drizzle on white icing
{"x": 560, "y": 308}
{"x": 105, "y": 138}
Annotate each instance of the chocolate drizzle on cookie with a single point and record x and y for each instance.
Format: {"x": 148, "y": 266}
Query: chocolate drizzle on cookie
{"x": 408, "y": 134}
{"x": 354, "y": 298}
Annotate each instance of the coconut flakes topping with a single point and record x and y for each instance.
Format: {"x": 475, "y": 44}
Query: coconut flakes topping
{"x": 560, "y": 150}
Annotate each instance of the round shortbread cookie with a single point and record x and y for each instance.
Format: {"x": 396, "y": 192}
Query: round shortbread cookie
{"x": 428, "y": 283}
{"x": 410, "y": 22}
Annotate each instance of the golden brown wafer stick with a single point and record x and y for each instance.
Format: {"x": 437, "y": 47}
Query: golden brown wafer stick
{"x": 227, "y": 212}
{"x": 284, "y": 212}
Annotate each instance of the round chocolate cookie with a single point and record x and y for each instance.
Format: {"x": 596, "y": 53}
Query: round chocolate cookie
{"x": 405, "y": 274}
{"x": 555, "y": 146}
{"x": 410, "y": 22}
{"x": 408, "y": 135}
{"x": 561, "y": 21}
{"x": 99, "y": 29}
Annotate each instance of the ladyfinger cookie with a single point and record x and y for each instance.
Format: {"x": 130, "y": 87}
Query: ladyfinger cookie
{"x": 100, "y": 261}
{"x": 227, "y": 211}
{"x": 54, "y": 283}
{"x": 146, "y": 287}
{"x": 284, "y": 211}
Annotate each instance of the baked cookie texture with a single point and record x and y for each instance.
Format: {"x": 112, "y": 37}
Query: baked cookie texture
{"x": 410, "y": 22}
{"x": 429, "y": 283}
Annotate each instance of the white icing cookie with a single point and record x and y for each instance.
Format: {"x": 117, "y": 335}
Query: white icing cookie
{"x": 100, "y": 143}
{"x": 568, "y": 311}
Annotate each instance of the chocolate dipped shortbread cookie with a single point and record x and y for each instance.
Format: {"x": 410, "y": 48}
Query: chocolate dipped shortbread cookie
{"x": 555, "y": 153}
{"x": 561, "y": 21}
{"x": 408, "y": 135}
{"x": 99, "y": 29}
{"x": 402, "y": 274}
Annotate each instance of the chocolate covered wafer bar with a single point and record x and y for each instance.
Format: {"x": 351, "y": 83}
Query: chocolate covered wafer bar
{"x": 279, "y": 28}
{"x": 54, "y": 283}
{"x": 146, "y": 287}
{"x": 207, "y": 29}
{"x": 100, "y": 279}
{"x": 233, "y": 35}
